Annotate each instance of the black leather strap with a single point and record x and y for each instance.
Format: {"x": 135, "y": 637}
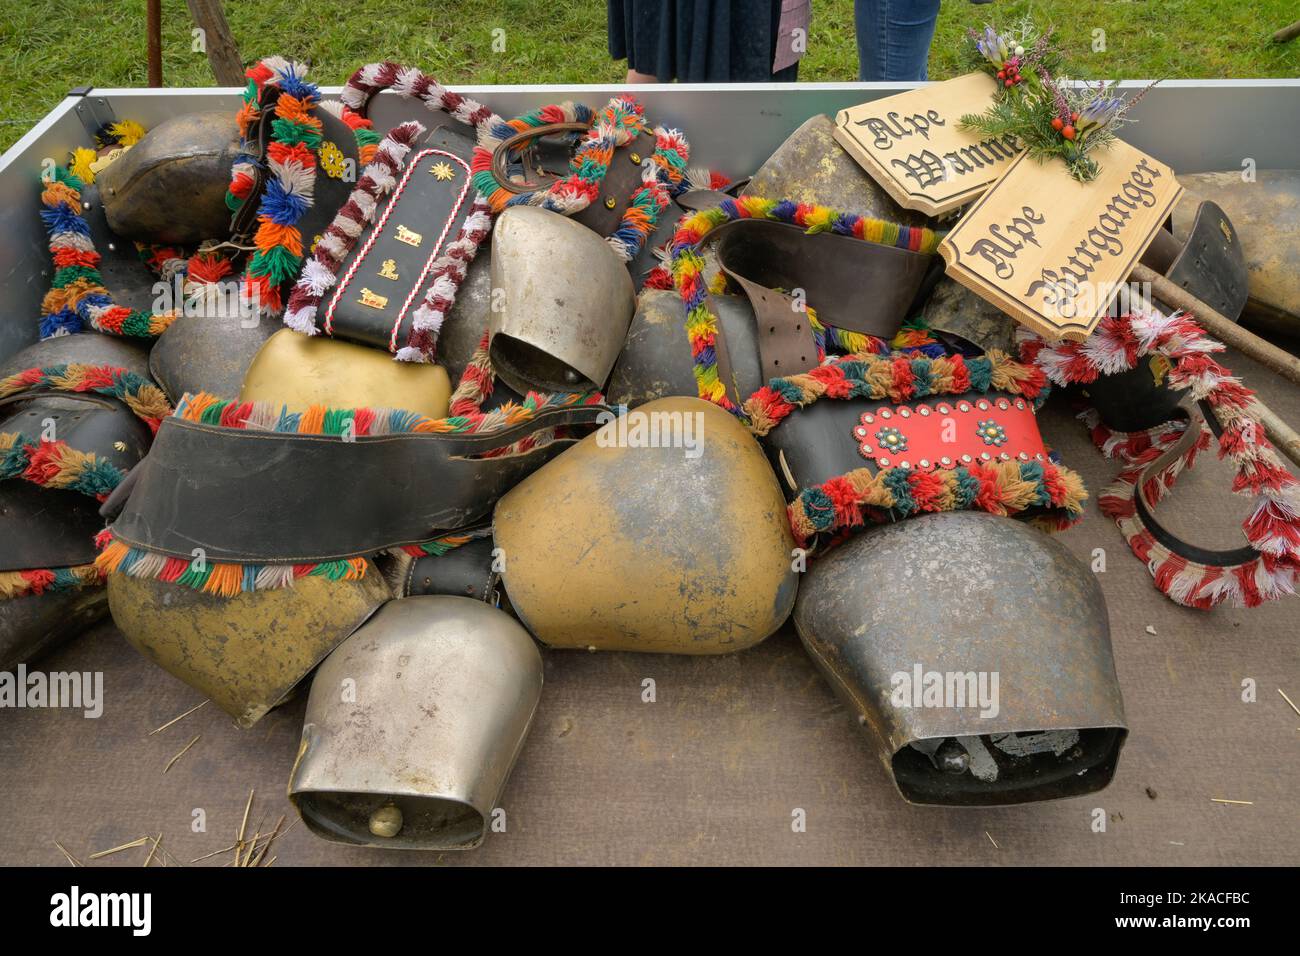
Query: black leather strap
{"x": 383, "y": 279}
{"x": 54, "y": 527}
{"x": 258, "y": 497}
{"x": 1198, "y": 415}
{"x": 853, "y": 284}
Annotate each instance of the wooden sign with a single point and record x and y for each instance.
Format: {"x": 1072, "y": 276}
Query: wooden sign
{"x": 1053, "y": 252}
{"x": 911, "y": 144}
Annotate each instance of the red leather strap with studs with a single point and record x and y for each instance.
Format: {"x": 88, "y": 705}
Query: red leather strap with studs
{"x": 950, "y": 433}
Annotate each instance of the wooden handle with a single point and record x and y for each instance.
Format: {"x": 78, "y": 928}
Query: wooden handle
{"x": 1287, "y": 33}
{"x": 1282, "y": 435}
{"x": 1219, "y": 326}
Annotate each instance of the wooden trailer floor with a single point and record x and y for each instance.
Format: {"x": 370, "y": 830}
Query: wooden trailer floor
{"x": 712, "y": 771}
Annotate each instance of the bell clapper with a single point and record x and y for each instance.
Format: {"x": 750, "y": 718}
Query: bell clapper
{"x": 951, "y": 757}
{"x": 386, "y": 821}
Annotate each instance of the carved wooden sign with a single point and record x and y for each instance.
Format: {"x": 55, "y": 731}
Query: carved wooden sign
{"x": 911, "y": 144}
{"x": 1053, "y": 252}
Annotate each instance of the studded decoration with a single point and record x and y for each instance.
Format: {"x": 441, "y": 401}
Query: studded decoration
{"x": 991, "y": 433}
{"x": 949, "y": 434}
{"x": 891, "y": 439}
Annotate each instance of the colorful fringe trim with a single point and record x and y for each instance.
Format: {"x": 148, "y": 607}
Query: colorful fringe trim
{"x": 360, "y": 422}
{"x": 687, "y": 265}
{"x": 1002, "y": 488}
{"x": 228, "y": 579}
{"x": 77, "y": 299}
{"x": 853, "y": 499}
{"x": 896, "y": 377}
{"x": 290, "y": 191}
{"x": 1273, "y": 528}
{"x": 440, "y": 546}
{"x": 224, "y": 580}
{"x": 142, "y": 396}
{"x": 16, "y": 584}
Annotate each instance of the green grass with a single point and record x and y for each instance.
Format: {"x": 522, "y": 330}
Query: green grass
{"x": 46, "y": 48}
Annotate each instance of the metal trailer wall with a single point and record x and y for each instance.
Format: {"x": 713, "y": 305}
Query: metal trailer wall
{"x": 736, "y": 748}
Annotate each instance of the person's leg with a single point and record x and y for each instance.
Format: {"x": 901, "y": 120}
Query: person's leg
{"x": 634, "y": 77}
{"x": 894, "y": 38}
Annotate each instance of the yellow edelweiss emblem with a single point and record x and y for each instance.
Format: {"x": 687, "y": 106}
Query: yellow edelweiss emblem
{"x": 1160, "y": 367}
{"x": 332, "y": 160}
{"x": 441, "y": 171}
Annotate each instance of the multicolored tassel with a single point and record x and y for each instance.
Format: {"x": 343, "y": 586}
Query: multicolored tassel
{"x": 77, "y": 299}
{"x": 290, "y": 190}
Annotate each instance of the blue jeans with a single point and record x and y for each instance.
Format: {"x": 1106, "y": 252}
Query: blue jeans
{"x": 894, "y": 37}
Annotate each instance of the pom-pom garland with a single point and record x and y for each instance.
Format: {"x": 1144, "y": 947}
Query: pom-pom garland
{"x": 614, "y": 126}
{"x": 320, "y": 273}
{"x": 1273, "y": 527}
{"x": 291, "y": 161}
{"x": 55, "y": 464}
{"x": 448, "y": 271}
{"x": 142, "y": 396}
{"x": 77, "y": 299}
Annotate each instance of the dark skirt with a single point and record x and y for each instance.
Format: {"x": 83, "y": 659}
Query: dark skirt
{"x": 698, "y": 41}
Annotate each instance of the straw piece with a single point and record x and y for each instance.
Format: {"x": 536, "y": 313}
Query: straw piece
{"x": 182, "y": 753}
{"x": 118, "y": 849}
{"x": 207, "y": 856}
{"x": 239, "y": 840}
{"x": 1289, "y": 701}
{"x": 175, "y": 719}
{"x": 149, "y": 859}
{"x": 71, "y": 859}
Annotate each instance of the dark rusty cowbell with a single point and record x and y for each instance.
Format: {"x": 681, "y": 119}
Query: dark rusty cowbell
{"x": 976, "y": 651}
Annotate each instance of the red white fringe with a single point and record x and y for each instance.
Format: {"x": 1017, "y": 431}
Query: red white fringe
{"x": 413, "y": 84}
{"x": 1273, "y": 528}
{"x": 320, "y": 272}
{"x": 448, "y": 271}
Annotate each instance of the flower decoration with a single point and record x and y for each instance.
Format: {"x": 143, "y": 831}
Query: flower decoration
{"x": 1039, "y": 106}
{"x": 991, "y": 433}
{"x": 891, "y": 439}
